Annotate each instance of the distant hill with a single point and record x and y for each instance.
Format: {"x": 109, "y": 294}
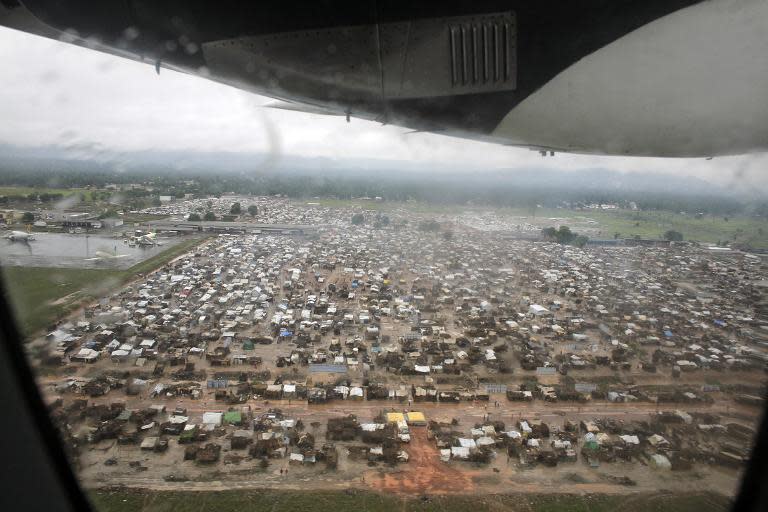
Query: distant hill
{"x": 86, "y": 157}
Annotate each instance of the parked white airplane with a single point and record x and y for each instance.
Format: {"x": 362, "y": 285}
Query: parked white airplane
{"x": 148, "y": 239}
{"x": 19, "y": 236}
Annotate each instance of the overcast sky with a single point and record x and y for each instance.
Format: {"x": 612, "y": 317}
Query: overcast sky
{"x": 55, "y": 93}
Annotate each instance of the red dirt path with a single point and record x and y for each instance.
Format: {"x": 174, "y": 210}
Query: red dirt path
{"x": 423, "y": 473}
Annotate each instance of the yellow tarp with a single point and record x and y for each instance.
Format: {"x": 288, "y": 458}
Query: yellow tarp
{"x": 394, "y": 417}
{"x": 416, "y": 418}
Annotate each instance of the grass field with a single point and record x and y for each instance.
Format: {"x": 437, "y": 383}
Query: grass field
{"x": 628, "y": 224}
{"x": 24, "y": 191}
{"x": 358, "y": 501}
{"x": 40, "y": 295}
{"x": 706, "y": 229}
{"x": 653, "y": 224}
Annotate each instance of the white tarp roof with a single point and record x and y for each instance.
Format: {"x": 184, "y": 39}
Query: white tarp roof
{"x": 212, "y": 418}
{"x": 467, "y": 442}
{"x": 459, "y": 452}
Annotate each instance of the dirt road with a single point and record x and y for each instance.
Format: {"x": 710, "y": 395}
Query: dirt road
{"x": 466, "y": 412}
{"x": 424, "y": 473}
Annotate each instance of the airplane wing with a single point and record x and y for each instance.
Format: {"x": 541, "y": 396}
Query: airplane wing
{"x": 622, "y": 77}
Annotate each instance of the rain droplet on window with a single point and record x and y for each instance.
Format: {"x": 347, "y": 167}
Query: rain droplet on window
{"x": 70, "y": 35}
{"x": 131, "y": 33}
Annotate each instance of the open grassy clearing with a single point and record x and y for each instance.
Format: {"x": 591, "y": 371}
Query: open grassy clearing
{"x": 653, "y": 224}
{"x": 24, "y": 191}
{"x": 625, "y": 223}
{"x": 358, "y": 501}
{"x": 706, "y": 229}
{"x": 40, "y": 295}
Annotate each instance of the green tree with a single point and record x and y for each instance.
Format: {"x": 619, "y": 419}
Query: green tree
{"x": 194, "y": 217}
{"x": 209, "y": 216}
{"x": 380, "y": 221}
{"x": 28, "y": 217}
{"x": 253, "y": 210}
{"x": 358, "y": 219}
{"x": 580, "y": 241}
{"x": 673, "y": 236}
{"x": 565, "y": 235}
{"x": 236, "y": 209}
{"x": 448, "y": 236}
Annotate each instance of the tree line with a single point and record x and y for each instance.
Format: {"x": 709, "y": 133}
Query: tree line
{"x": 451, "y": 190}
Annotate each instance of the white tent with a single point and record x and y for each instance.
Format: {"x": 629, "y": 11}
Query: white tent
{"x": 212, "y": 418}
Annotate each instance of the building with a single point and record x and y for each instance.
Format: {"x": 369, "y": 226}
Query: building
{"x": 10, "y": 216}
{"x": 538, "y": 310}
{"x": 112, "y": 222}
{"x": 71, "y": 220}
